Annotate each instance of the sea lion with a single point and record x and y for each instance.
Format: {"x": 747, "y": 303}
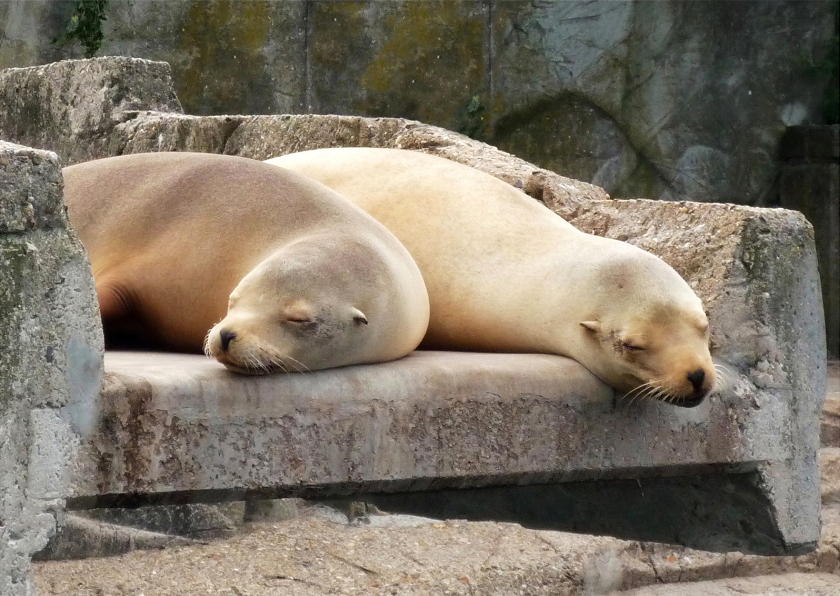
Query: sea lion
{"x": 308, "y": 280}
{"x": 505, "y": 273}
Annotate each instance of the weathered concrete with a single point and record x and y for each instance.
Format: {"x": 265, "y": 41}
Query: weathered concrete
{"x": 71, "y": 107}
{"x": 317, "y": 551}
{"x": 765, "y": 311}
{"x": 178, "y": 427}
{"x": 794, "y": 584}
{"x": 50, "y": 364}
{"x": 261, "y": 137}
{"x": 755, "y": 269}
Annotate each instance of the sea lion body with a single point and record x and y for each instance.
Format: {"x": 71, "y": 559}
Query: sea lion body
{"x": 173, "y": 237}
{"x": 504, "y": 273}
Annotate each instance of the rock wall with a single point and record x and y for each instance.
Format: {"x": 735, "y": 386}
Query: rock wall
{"x": 51, "y": 360}
{"x": 810, "y": 183}
{"x": 669, "y": 100}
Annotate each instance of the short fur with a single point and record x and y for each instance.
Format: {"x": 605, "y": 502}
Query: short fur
{"x": 504, "y": 273}
{"x": 172, "y": 237}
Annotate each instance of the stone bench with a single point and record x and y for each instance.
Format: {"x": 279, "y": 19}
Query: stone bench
{"x": 529, "y": 438}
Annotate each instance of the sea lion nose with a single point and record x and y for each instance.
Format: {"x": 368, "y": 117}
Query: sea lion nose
{"x": 697, "y": 377}
{"x": 227, "y": 337}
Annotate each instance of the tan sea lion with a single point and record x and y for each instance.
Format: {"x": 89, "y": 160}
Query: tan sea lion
{"x": 308, "y": 280}
{"x": 505, "y": 273}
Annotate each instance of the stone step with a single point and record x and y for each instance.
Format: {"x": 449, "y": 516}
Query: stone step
{"x": 534, "y": 439}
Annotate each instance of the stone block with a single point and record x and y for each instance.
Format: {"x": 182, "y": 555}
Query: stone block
{"x": 261, "y": 137}
{"x": 50, "y": 366}
{"x": 754, "y": 268}
{"x": 71, "y": 107}
{"x": 176, "y": 427}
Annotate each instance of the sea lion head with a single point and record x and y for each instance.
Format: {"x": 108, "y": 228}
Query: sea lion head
{"x": 302, "y": 309}
{"x": 649, "y": 335}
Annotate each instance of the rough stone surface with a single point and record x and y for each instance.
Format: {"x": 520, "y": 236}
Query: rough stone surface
{"x": 261, "y": 137}
{"x": 658, "y": 100}
{"x": 794, "y": 584}
{"x": 182, "y": 427}
{"x": 669, "y": 99}
{"x": 50, "y": 366}
{"x": 399, "y": 56}
{"x": 318, "y": 552}
{"x": 79, "y": 537}
{"x": 810, "y": 183}
{"x": 768, "y": 280}
{"x": 755, "y": 268}
{"x": 71, "y": 107}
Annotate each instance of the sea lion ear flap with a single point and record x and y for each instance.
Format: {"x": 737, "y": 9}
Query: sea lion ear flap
{"x": 593, "y": 326}
{"x": 358, "y": 316}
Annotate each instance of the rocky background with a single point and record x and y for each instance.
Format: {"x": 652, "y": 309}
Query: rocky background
{"x": 669, "y": 99}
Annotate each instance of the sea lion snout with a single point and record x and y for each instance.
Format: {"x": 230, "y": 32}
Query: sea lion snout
{"x": 226, "y": 337}
{"x": 696, "y": 378}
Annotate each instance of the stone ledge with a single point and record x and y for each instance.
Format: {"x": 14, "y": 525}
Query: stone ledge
{"x": 179, "y": 428}
{"x": 262, "y": 137}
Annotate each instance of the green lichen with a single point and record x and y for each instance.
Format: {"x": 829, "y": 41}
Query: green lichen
{"x": 227, "y": 69}
{"x": 473, "y": 119}
{"x": 433, "y": 57}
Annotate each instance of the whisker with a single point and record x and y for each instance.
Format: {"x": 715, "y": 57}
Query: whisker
{"x": 281, "y": 361}
{"x": 206, "y": 344}
{"x": 658, "y": 394}
{"x": 305, "y": 368}
{"x": 635, "y": 392}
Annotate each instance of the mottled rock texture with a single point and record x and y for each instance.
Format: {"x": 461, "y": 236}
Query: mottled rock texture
{"x": 670, "y": 99}
{"x": 50, "y": 364}
{"x": 317, "y": 551}
{"x": 72, "y": 107}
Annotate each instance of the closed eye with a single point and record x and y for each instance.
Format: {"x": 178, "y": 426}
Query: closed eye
{"x": 299, "y": 321}
{"x": 632, "y": 348}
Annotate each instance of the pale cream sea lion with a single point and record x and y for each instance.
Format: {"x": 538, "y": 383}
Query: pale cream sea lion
{"x": 504, "y": 273}
{"x": 289, "y": 275}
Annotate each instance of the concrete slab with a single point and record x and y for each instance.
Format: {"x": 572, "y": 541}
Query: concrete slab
{"x": 466, "y": 430}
